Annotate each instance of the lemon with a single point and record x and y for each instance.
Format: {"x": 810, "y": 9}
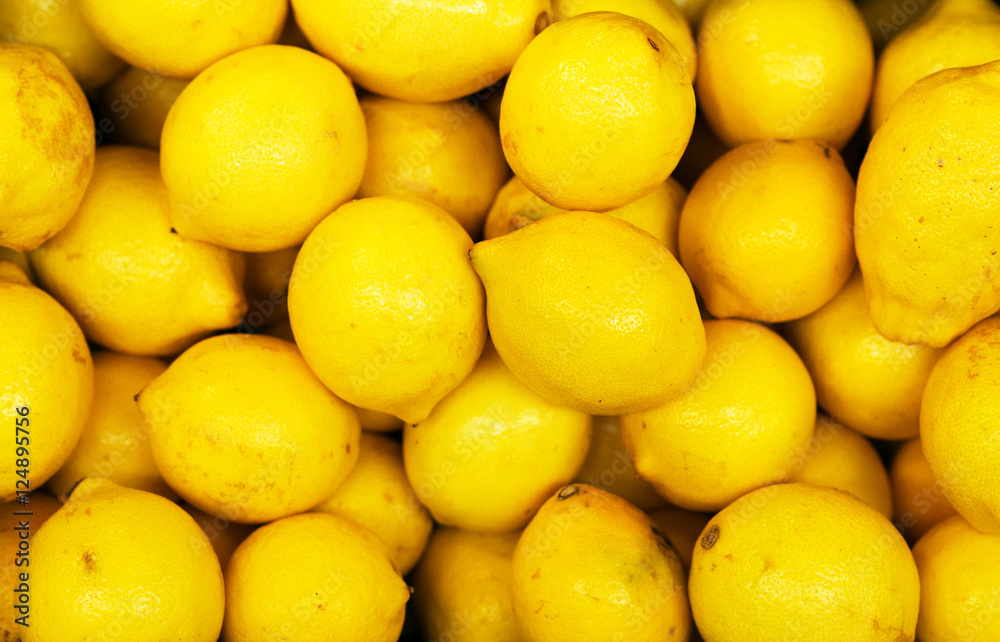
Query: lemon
{"x": 461, "y": 588}
{"x": 663, "y": 15}
{"x": 20, "y": 259}
{"x": 803, "y": 562}
{"x": 493, "y": 450}
{"x": 424, "y": 52}
{"x": 134, "y": 285}
{"x": 41, "y": 506}
{"x": 743, "y": 422}
{"x": 48, "y": 143}
{"x": 682, "y": 527}
{"x": 115, "y": 440}
{"x": 385, "y": 306}
{"x": 926, "y": 208}
{"x": 953, "y": 33}
{"x": 609, "y": 467}
{"x": 766, "y": 232}
{"x": 918, "y": 498}
{"x": 122, "y": 563}
{"x": 784, "y": 69}
{"x": 313, "y": 577}
{"x": 60, "y": 28}
{"x": 959, "y": 583}
{"x": 261, "y": 146}
{"x": 959, "y": 415}
{"x": 133, "y": 107}
{"x": 266, "y": 286}
{"x": 446, "y": 153}
{"x": 46, "y": 382}
{"x": 596, "y": 112}
{"x": 224, "y": 535}
{"x": 841, "y": 458}
{"x": 242, "y": 429}
{"x": 590, "y": 566}
{"x": 591, "y": 312}
{"x": 182, "y": 37}
{"x": 872, "y": 384}
{"x": 658, "y": 212}
{"x": 377, "y": 495}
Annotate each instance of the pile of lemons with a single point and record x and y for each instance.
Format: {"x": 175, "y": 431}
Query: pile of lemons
{"x": 539, "y": 320}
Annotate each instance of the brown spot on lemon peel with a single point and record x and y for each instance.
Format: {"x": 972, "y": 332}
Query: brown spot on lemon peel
{"x": 173, "y": 231}
{"x": 88, "y": 561}
{"x": 566, "y": 492}
{"x": 652, "y": 44}
{"x": 708, "y": 539}
{"x": 826, "y": 152}
{"x": 542, "y": 21}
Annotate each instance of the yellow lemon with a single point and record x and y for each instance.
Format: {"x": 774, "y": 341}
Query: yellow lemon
{"x": 803, "y": 562}
{"x": 596, "y": 112}
{"x": 959, "y": 419}
{"x": 48, "y": 143}
{"x": 959, "y": 583}
{"x": 60, "y": 28}
{"x": 953, "y": 33}
{"x": 841, "y": 458}
{"x": 461, "y": 588}
{"x": 260, "y": 147}
{"x": 135, "y": 286}
{"x": 493, "y": 450}
{"x": 918, "y": 499}
{"x": 664, "y": 15}
{"x": 872, "y": 384}
{"x": 122, "y": 563}
{"x": 46, "y": 382}
{"x": 591, "y": 566}
{"x": 343, "y": 586}
{"x": 425, "y": 52}
{"x": 377, "y": 495}
{"x": 682, "y": 527}
{"x": 743, "y": 422}
{"x": 224, "y": 535}
{"x": 784, "y": 69}
{"x": 927, "y": 205}
{"x": 446, "y": 153}
{"x": 242, "y": 429}
{"x": 385, "y": 306}
{"x": 16, "y": 531}
{"x": 266, "y": 286}
{"x": 766, "y": 232}
{"x": 182, "y": 37}
{"x": 886, "y": 18}
{"x": 133, "y": 107}
{"x": 609, "y": 467}
{"x": 591, "y": 312}
{"x": 115, "y": 440}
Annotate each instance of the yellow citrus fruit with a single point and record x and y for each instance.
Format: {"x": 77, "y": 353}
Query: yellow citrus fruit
{"x": 872, "y": 384}
{"x": 959, "y": 583}
{"x": 803, "y": 562}
{"x": 260, "y": 147}
{"x": 959, "y": 416}
{"x": 766, "y": 232}
{"x": 242, "y": 429}
{"x": 461, "y": 588}
{"x": 313, "y": 577}
{"x": 376, "y": 421}
{"x": 926, "y": 208}
{"x": 918, "y": 499}
{"x": 46, "y": 382}
{"x": 423, "y": 52}
{"x": 743, "y": 421}
{"x": 48, "y": 138}
{"x": 446, "y": 153}
{"x": 682, "y": 527}
{"x": 385, "y": 306}
{"x": 115, "y": 440}
{"x": 784, "y": 69}
{"x": 182, "y": 37}
{"x": 20, "y": 259}
{"x": 953, "y": 33}
{"x": 591, "y": 566}
{"x": 377, "y": 495}
{"x": 841, "y": 458}
{"x": 886, "y": 18}
{"x": 658, "y": 212}
{"x": 60, "y": 28}
{"x": 591, "y": 312}
{"x": 609, "y": 467}
{"x": 663, "y": 15}
{"x": 133, "y": 107}
{"x": 121, "y": 563}
{"x": 15, "y": 555}
{"x": 134, "y": 285}
{"x": 224, "y": 535}
{"x": 596, "y": 112}
{"x": 493, "y": 450}
{"x": 266, "y": 286}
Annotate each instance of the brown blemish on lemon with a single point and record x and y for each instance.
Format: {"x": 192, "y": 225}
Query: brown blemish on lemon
{"x": 708, "y": 539}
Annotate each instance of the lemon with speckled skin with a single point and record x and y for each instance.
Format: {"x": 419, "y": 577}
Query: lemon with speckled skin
{"x": 918, "y": 499}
